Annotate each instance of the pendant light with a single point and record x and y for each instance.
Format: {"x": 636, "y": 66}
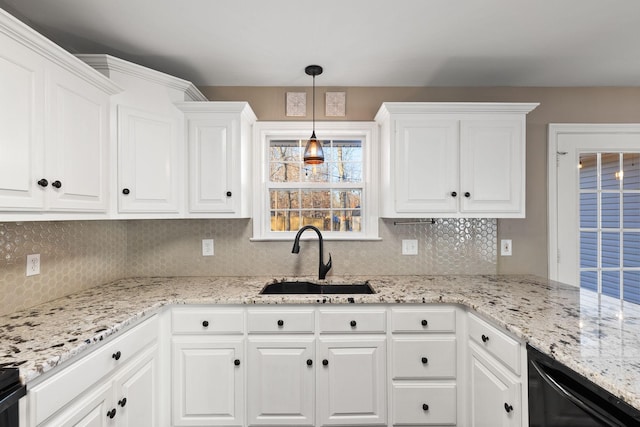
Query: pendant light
{"x": 313, "y": 154}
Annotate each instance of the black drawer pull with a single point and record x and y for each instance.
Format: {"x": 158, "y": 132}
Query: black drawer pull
{"x": 280, "y": 322}
{"x": 425, "y": 360}
{"x": 425, "y": 407}
{"x": 467, "y": 194}
{"x": 125, "y": 191}
{"x": 229, "y": 193}
{"x": 484, "y": 338}
{"x": 325, "y": 362}
{"x": 56, "y": 184}
{"x": 116, "y": 355}
{"x": 353, "y": 323}
{"x": 43, "y": 182}
{"x": 111, "y": 413}
{"x": 122, "y": 402}
{"x": 205, "y": 323}
{"x": 236, "y": 362}
{"x": 309, "y": 362}
{"x": 454, "y": 194}
{"x": 508, "y": 407}
{"x": 424, "y": 322}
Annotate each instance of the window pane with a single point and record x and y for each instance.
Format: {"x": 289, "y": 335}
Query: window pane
{"x": 631, "y": 249}
{"x": 285, "y": 151}
{"x": 588, "y": 171}
{"x": 588, "y": 210}
{"x": 588, "y": 250}
{"x": 347, "y": 199}
{"x": 611, "y": 283}
{"x": 285, "y": 220}
{"x": 589, "y": 280}
{"x": 345, "y": 172}
{"x": 632, "y": 286}
{"x": 610, "y": 170}
{"x": 284, "y": 172}
{"x": 316, "y": 173}
{"x": 285, "y": 199}
{"x": 610, "y": 251}
{"x": 346, "y": 220}
{"x": 320, "y": 219}
{"x": 631, "y": 210}
{"x": 610, "y": 210}
{"x": 631, "y": 163}
{"x": 314, "y": 199}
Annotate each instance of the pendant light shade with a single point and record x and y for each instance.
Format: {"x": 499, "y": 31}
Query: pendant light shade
{"x": 313, "y": 154}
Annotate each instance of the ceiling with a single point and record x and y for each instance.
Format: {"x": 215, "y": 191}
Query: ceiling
{"x": 358, "y": 42}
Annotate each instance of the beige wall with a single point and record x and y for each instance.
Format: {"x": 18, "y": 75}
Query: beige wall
{"x": 557, "y": 105}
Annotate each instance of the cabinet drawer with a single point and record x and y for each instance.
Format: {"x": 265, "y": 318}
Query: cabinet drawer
{"x": 496, "y": 342}
{"x": 66, "y": 385}
{"x": 424, "y": 358}
{"x": 206, "y": 320}
{"x": 340, "y": 321}
{"x": 423, "y": 320}
{"x": 274, "y": 321}
{"x": 424, "y": 404}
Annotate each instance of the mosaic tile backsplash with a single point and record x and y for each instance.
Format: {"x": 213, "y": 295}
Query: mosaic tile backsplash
{"x": 76, "y": 255}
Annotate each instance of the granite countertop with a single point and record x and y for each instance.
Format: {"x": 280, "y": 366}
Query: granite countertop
{"x": 595, "y": 336}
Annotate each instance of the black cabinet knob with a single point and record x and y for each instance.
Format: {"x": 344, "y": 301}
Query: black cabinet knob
{"x": 125, "y": 191}
{"x": 325, "y": 362}
{"x": 467, "y": 194}
{"x": 508, "y": 407}
{"x": 454, "y": 194}
{"x": 280, "y": 322}
{"x": 228, "y": 193}
{"x": 111, "y": 413}
{"x": 309, "y": 362}
{"x": 425, "y": 360}
{"x": 43, "y": 182}
{"x": 425, "y": 407}
{"x": 236, "y": 362}
{"x": 353, "y": 323}
{"x": 424, "y": 322}
{"x": 116, "y": 355}
{"x": 205, "y": 323}
{"x": 56, "y": 184}
{"x": 484, "y": 338}
{"x": 122, "y": 402}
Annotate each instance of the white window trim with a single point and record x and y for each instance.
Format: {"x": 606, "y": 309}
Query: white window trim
{"x": 264, "y": 131}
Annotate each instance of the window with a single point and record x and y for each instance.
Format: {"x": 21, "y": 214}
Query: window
{"x": 335, "y": 196}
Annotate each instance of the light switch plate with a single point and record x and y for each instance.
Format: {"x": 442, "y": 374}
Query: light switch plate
{"x": 33, "y": 264}
{"x": 207, "y": 247}
{"x": 409, "y": 247}
{"x": 506, "y": 249}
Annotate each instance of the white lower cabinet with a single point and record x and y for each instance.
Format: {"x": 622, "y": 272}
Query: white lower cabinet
{"x": 497, "y": 379}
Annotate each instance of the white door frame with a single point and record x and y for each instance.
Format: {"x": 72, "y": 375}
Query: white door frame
{"x": 552, "y": 182}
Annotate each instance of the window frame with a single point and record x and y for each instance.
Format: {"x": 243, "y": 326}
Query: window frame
{"x": 264, "y": 132}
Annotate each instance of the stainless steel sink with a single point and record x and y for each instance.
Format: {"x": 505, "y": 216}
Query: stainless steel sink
{"x": 315, "y": 288}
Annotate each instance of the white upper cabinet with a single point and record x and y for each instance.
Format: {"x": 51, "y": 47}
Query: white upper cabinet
{"x": 453, "y": 159}
{"x": 54, "y": 126}
{"x": 218, "y": 150}
{"x": 147, "y": 139}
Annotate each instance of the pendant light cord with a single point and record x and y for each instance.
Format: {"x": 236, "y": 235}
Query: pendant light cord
{"x": 313, "y": 104}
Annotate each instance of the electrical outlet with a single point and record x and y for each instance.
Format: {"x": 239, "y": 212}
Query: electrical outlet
{"x": 409, "y": 247}
{"x": 33, "y": 264}
{"x": 207, "y": 247}
{"x": 505, "y": 247}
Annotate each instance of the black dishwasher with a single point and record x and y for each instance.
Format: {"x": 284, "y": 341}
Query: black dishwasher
{"x": 560, "y": 397}
{"x": 11, "y": 390}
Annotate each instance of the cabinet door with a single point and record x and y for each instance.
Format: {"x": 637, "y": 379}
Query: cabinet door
{"x": 281, "y": 381}
{"x": 492, "y": 166}
{"x": 136, "y": 392}
{"x": 495, "y": 394}
{"x": 211, "y": 164}
{"x": 207, "y": 381}
{"x": 352, "y": 380}
{"x": 426, "y": 166}
{"x": 90, "y": 410}
{"x": 21, "y": 127}
{"x": 149, "y": 165}
{"x": 76, "y": 149}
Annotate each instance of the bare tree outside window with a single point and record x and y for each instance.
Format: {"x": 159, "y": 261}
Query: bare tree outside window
{"x": 328, "y": 196}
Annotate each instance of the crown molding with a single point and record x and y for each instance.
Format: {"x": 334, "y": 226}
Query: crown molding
{"x": 453, "y": 107}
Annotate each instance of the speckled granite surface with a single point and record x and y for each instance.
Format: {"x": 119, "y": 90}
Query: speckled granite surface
{"x": 596, "y": 337}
